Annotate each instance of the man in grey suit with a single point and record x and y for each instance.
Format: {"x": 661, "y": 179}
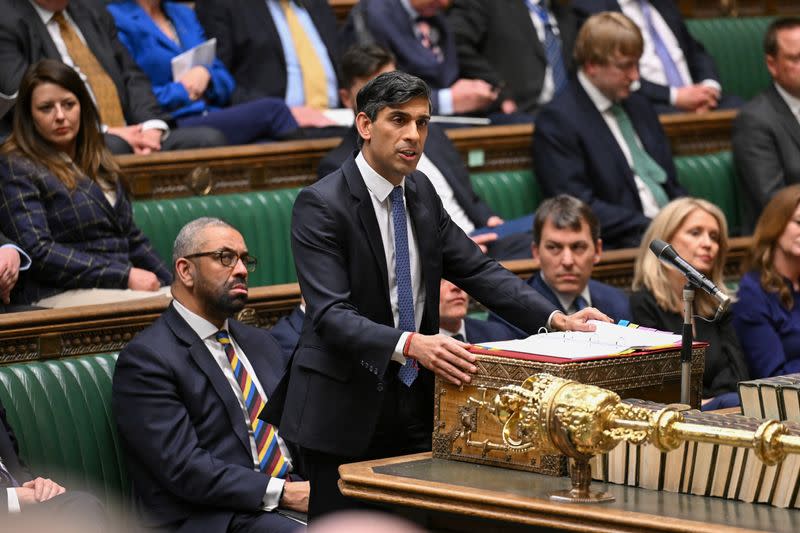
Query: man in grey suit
{"x": 766, "y": 134}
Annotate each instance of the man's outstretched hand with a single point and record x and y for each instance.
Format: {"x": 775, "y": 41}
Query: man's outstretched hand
{"x": 578, "y": 321}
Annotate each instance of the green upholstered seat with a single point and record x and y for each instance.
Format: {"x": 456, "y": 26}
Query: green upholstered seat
{"x": 736, "y": 46}
{"x": 510, "y": 194}
{"x": 713, "y": 177}
{"x": 60, "y": 411}
{"x": 263, "y": 217}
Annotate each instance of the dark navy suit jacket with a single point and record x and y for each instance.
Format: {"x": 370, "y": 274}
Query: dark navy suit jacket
{"x": 387, "y": 23}
{"x": 250, "y": 46}
{"x": 287, "y": 331}
{"x": 700, "y": 63}
{"x": 610, "y": 300}
{"x": 75, "y": 239}
{"x": 181, "y": 426}
{"x": 574, "y": 152}
{"x": 9, "y": 453}
{"x": 336, "y": 384}
{"x": 485, "y": 331}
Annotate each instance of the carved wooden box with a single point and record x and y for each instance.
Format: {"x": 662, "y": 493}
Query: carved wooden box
{"x": 465, "y": 431}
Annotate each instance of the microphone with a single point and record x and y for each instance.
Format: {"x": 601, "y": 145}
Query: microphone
{"x": 667, "y": 255}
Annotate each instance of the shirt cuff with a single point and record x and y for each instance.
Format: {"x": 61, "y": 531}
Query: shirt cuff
{"x": 550, "y": 319}
{"x": 445, "y": 101}
{"x": 272, "y": 496}
{"x": 398, "y": 350}
{"x": 154, "y": 124}
{"x": 24, "y": 259}
{"x": 713, "y": 84}
{"x": 13, "y": 501}
{"x": 673, "y": 96}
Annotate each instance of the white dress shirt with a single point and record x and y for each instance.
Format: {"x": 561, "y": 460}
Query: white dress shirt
{"x": 548, "y": 87}
{"x": 791, "y": 101}
{"x": 13, "y": 500}
{"x": 603, "y": 104}
{"x": 445, "y": 192}
{"x": 567, "y": 301}
{"x": 207, "y": 331}
{"x": 379, "y": 190}
{"x": 55, "y": 33}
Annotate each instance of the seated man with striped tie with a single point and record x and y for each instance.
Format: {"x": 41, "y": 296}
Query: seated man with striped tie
{"x": 602, "y": 143}
{"x": 186, "y": 396}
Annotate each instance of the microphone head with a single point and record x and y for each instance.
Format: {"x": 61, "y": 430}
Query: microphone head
{"x": 660, "y": 248}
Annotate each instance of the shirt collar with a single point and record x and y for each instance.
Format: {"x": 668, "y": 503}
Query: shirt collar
{"x": 791, "y": 101}
{"x": 199, "y": 325}
{"x": 44, "y": 14}
{"x": 461, "y": 331}
{"x": 379, "y": 186}
{"x": 412, "y": 13}
{"x": 566, "y": 300}
{"x": 600, "y": 101}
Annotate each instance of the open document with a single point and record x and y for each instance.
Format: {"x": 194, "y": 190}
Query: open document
{"x": 607, "y": 339}
{"x": 6, "y": 103}
{"x": 202, "y": 54}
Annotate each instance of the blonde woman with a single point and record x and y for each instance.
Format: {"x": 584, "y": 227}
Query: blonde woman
{"x": 698, "y": 232}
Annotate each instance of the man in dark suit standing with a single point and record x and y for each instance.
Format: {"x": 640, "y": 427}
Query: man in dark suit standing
{"x": 288, "y": 329}
{"x": 567, "y": 244}
{"x": 186, "y": 395}
{"x": 766, "y": 133}
{"x": 602, "y": 143}
{"x": 677, "y": 72}
{"x": 371, "y": 243}
{"x": 82, "y": 34}
{"x": 441, "y": 163}
{"x": 522, "y": 47}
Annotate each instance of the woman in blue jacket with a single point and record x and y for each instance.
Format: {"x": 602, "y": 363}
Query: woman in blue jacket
{"x": 154, "y": 32}
{"x": 767, "y": 315}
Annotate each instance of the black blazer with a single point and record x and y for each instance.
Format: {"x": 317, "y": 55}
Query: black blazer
{"x": 9, "y": 452}
{"x": 497, "y": 42}
{"x": 24, "y": 40}
{"x": 700, "y": 63}
{"x": 439, "y": 148}
{"x": 337, "y": 373}
{"x": 574, "y": 152}
{"x": 249, "y": 45}
{"x": 181, "y": 426}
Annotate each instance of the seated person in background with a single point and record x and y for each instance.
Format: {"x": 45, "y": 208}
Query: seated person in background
{"x": 287, "y": 330}
{"x": 440, "y": 162}
{"x": 186, "y": 396}
{"x": 12, "y": 261}
{"x": 766, "y": 132}
{"x": 63, "y": 201}
{"x": 677, "y": 72}
{"x": 155, "y": 32}
{"x": 698, "y": 232}
{"x": 419, "y": 35}
{"x": 767, "y": 313}
{"x": 522, "y": 47}
{"x": 567, "y": 244}
{"x": 81, "y": 33}
{"x": 21, "y": 493}
{"x": 602, "y": 143}
{"x": 280, "y": 48}
{"x": 454, "y": 322}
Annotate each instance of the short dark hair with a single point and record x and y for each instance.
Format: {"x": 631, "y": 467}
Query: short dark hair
{"x": 565, "y": 212}
{"x": 390, "y": 89}
{"x": 771, "y": 36}
{"x": 362, "y": 61}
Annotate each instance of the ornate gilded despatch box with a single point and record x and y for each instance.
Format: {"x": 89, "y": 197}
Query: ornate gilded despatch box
{"x": 464, "y": 430}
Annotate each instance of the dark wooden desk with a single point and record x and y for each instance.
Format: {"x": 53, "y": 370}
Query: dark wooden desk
{"x": 508, "y": 499}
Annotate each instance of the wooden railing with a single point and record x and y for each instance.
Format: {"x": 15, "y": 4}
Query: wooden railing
{"x": 53, "y": 333}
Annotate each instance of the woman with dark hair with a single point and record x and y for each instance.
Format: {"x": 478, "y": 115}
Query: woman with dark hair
{"x": 767, "y": 315}
{"x": 63, "y": 201}
{"x": 698, "y": 232}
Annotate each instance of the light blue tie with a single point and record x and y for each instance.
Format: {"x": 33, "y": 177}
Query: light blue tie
{"x": 674, "y": 78}
{"x": 402, "y": 269}
{"x": 552, "y": 47}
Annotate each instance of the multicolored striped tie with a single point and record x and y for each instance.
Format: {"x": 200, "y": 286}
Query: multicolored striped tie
{"x": 270, "y": 458}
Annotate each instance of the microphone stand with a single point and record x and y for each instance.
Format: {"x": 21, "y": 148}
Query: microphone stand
{"x": 687, "y": 340}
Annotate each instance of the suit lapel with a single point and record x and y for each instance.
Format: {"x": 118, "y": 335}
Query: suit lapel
{"x": 42, "y": 44}
{"x": 95, "y": 192}
{"x": 541, "y": 287}
{"x": 427, "y": 241}
{"x": 165, "y": 41}
{"x": 784, "y": 114}
{"x": 519, "y": 11}
{"x": 260, "y": 360}
{"x": 205, "y": 362}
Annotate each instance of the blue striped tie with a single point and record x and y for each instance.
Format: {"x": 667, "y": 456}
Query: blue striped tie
{"x": 674, "y": 78}
{"x": 552, "y": 47}
{"x": 6, "y": 479}
{"x": 402, "y": 268}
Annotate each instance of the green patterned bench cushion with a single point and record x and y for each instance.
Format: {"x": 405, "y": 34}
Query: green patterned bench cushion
{"x": 712, "y": 177}
{"x": 263, "y": 217}
{"x": 510, "y": 194}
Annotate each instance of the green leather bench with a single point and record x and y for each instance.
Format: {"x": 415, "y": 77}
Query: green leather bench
{"x": 736, "y": 44}
{"x": 713, "y": 177}
{"x": 263, "y": 217}
{"x": 510, "y": 194}
{"x": 60, "y": 411}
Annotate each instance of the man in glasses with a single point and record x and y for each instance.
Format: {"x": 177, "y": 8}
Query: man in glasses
{"x": 186, "y": 397}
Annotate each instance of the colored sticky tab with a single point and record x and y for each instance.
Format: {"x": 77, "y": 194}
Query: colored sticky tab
{"x": 476, "y": 158}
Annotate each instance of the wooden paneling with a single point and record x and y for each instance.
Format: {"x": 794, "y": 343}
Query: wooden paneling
{"x": 737, "y": 8}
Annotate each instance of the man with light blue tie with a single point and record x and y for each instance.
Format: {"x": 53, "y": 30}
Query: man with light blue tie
{"x": 677, "y": 72}
{"x": 279, "y": 48}
{"x": 371, "y": 242}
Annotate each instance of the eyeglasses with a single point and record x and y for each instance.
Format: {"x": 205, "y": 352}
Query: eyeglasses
{"x": 228, "y": 258}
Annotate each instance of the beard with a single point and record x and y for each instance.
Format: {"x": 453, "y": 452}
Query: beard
{"x": 220, "y": 300}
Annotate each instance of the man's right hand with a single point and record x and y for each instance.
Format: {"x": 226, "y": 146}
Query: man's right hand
{"x": 444, "y": 356}
{"x": 295, "y": 496}
{"x": 472, "y": 95}
{"x": 142, "y": 280}
{"x": 696, "y": 98}
{"x": 308, "y": 117}
{"x": 141, "y": 142}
